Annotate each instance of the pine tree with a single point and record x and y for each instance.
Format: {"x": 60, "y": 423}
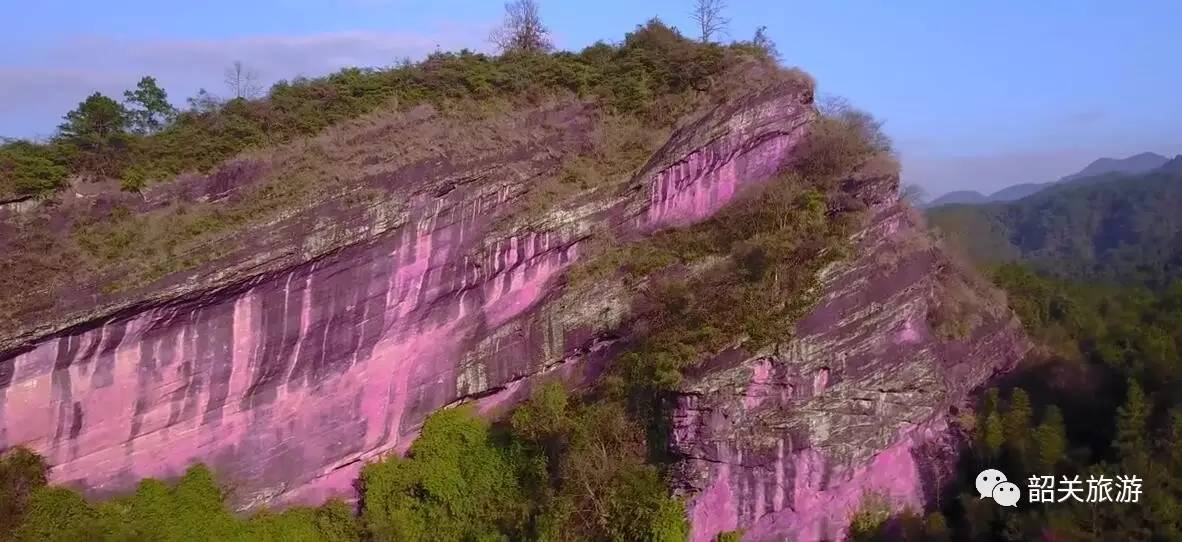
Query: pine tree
{"x": 1050, "y": 440}
{"x": 148, "y": 108}
{"x": 1016, "y": 423}
{"x": 1173, "y": 438}
{"x": 993, "y": 435}
{"x": 992, "y": 400}
{"x": 96, "y": 132}
{"x": 1132, "y": 425}
{"x": 984, "y": 438}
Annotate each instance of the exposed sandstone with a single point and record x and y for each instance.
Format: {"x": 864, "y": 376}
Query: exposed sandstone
{"x": 286, "y": 370}
{"x": 326, "y": 339}
{"x": 787, "y": 443}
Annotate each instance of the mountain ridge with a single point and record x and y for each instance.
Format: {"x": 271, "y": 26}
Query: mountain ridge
{"x": 1112, "y": 227}
{"x": 1131, "y": 165}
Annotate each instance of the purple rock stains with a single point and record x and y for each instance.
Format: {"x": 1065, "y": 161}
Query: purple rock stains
{"x": 286, "y": 383}
{"x": 787, "y": 444}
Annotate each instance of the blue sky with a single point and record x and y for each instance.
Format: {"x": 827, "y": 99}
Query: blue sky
{"x": 977, "y": 95}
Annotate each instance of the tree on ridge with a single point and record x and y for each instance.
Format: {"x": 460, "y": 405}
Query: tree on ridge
{"x": 522, "y": 29}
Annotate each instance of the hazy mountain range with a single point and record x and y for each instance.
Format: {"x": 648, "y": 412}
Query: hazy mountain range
{"x": 1133, "y": 165}
{"x": 1116, "y": 227}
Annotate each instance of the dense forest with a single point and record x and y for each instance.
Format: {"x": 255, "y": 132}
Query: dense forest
{"x": 1100, "y": 396}
{"x": 563, "y": 466}
{"x": 1111, "y": 228}
{"x": 1091, "y": 269}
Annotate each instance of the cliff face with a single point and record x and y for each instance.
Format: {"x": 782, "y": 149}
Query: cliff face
{"x": 788, "y": 443}
{"x": 325, "y": 337}
{"x": 287, "y": 364}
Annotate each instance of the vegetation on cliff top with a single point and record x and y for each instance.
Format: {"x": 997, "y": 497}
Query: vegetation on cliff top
{"x": 319, "y": 140}
{"x": 145, "y": 140}
{"x": 560, "y": 467}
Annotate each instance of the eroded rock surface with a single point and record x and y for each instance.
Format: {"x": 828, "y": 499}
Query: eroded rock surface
{"x": 788, "y": 443}
{"x": 325, "y": 338}
{"x": 288, "y": 367}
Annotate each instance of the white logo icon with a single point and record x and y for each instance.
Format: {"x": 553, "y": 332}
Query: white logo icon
{"x": 1006, "y": 493}
{"x": 987, "y": 480}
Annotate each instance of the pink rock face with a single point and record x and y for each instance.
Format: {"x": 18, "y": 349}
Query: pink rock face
{"x": 790, "y": 442}
{"x": 287, "y": 382}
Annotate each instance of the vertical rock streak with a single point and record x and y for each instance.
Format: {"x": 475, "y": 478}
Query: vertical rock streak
{"x": 789, "y": 443}
{"x": 287, "y": 382}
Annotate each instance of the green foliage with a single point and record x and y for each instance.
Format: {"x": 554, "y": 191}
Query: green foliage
{"x": 1132, "y": 425}
{"x": 192, "y": 509}
{"x": 28, "y": 169}
{"x": 870, "y": 518}
{"x": 57, "y": 514}
{"x": 1050, "y": 439}
{"x": 993, "y": 435}
{"x": 1109, "y": 401}
{"x": 562, "y": 470}
{"x": 22, "y": 473}
{"x": 770, "y": 244}
{"x": 94, "y": 136}
{"x": 1016, "y": 424}
{"x": 876, "y": 525}
{"x": 1113, "y": 230}
{"x": 647, "y": 75}
{"x": 456, "y": 484}
{"x": 148, "y": 110}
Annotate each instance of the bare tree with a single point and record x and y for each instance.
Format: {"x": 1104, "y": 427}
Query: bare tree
{"x": 707, "y": 14}
{"x": 522, "y": 29}
{"x": 242, "y": 81}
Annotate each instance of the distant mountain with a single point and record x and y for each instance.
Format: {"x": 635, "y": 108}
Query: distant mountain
{"x": 1138, "y": 163}
{"x": 1018, "y": 191}
{"x": 1173, "y": 165}
{"x": 1115, "y": 227}
{"x": 959, "y": 196}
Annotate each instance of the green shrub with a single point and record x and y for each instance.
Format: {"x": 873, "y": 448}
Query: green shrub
{"x": 870, "y": 518}
{"x": 57, "y": 514}
{"x": 22, "y": 473}
{"x": 28, "y": 169}
{"x": 455, "y": 484}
